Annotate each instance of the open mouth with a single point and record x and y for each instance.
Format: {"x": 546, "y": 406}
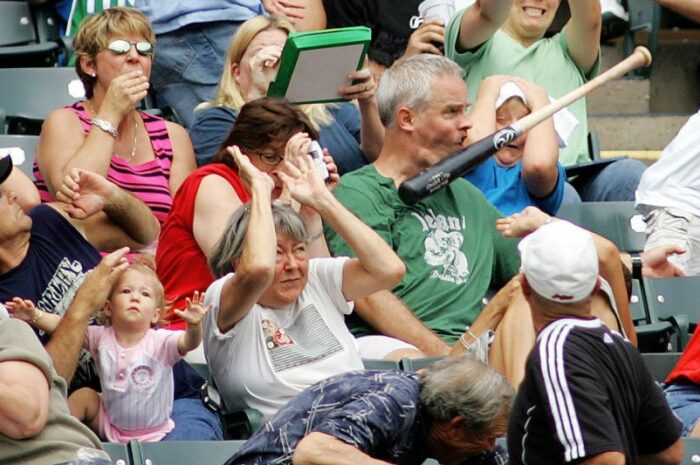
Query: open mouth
{"x": 533, "y": 12}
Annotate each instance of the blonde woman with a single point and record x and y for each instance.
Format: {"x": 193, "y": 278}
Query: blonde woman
{"x": 352, "y": 137}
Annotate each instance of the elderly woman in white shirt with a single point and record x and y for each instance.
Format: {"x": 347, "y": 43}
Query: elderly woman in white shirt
{"x": 277, "y": 319}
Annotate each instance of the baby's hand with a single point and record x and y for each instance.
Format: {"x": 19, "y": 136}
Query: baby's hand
{"x": 195, "y": 311}
{"x": 22, "y": 309}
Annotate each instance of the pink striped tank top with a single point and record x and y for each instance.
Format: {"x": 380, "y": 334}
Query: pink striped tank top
{"x": 147, "y": 181}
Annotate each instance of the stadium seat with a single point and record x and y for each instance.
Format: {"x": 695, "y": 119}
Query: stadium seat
{"x": 378, "y": 364}
{"x": 415, "y": 364}
{"x": 119, "y": 453}
{"x": 691, "y": 451}
{"x": 651, "y": 337}
{"x": 644, "y": 15}
{"x": 202, "y": 370}
{"x": 617, "y": 221}
{"x": 28, "y": 95}
{"x": 18, "y": 146}
{"x": 660, "y": 365}
{"x": 19, "y": 43}
{"x": 676, "y": 300}
{"x": 183, "y": 452}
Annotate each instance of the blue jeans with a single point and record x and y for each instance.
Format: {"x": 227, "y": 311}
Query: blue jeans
{"x": 617, "y": 181}
{"x": 684, "y": 400}
{"x": 194, "y": 422}
{"x": 570, "y": 195}
{"x": 188, "y": 64}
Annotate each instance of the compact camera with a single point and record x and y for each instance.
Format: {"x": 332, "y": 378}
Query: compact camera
{"x": 317, "y": 154}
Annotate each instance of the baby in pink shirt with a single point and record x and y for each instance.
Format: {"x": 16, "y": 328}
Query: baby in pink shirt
{"x": 133, "y": 359}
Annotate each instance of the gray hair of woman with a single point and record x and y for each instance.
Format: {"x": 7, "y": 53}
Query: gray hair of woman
{"x": 466, "y": 387}
{"x": 230, "y": 245}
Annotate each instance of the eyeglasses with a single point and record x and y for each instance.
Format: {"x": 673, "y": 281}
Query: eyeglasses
{"x": 268, "y": 158}
{"x": 121, "y": 47}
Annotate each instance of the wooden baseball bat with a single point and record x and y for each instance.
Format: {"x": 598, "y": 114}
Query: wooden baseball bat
{"x": 456, "y": 165}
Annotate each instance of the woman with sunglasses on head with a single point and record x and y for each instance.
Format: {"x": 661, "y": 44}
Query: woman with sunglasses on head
{"x": 139, "y": 152}
{"x": 267, "y": 131}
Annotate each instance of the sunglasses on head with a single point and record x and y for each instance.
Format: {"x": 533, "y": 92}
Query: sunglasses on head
{"x": 120, "y": 47}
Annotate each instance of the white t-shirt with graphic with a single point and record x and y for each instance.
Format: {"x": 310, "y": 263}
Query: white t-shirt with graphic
{"x": 271, "y": 355}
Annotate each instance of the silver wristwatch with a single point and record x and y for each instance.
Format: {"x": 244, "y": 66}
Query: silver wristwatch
{"x": 106, "y": 126}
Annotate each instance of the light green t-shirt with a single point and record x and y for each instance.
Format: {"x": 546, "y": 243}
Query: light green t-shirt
{"x": 64, "y": 438}
{"x": 448, "y": 241}
{"x": 547, "y": 63}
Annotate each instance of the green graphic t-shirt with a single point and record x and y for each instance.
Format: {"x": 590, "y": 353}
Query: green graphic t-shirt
{"x": 448, "y": 241}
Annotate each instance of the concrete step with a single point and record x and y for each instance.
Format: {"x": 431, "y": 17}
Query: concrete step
{"x": 620, "y": 96}
{"x": 675, "y": 76}
{"x": 636, "y": 132}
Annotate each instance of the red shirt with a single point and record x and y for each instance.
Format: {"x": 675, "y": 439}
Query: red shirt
{"x": 688, "y": 366}
{"x": 180, "y": 263}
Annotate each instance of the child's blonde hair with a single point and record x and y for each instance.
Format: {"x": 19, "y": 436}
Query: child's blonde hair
{"x": 148, "y": 272}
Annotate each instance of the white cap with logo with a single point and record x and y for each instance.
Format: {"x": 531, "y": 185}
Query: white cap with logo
{"x": 560, "y": 261}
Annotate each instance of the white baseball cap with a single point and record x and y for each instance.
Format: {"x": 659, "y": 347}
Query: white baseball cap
{"x": 560, "y": 262}
{"x": 564, "y": 121}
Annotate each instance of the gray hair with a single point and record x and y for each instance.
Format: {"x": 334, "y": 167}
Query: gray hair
{"x": 230, "y": 244}
{"x": 408, "y": 84}
{"x": 465, "y": 387}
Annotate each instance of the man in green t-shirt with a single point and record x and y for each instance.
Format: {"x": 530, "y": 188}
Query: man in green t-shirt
{"x": 448, "y": 241}
{"x": 495, "y": 37}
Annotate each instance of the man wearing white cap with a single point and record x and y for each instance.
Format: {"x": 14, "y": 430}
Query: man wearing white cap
{"x": 587, "y": 396}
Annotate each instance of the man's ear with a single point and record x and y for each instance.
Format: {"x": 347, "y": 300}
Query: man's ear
{"x": 404, "y": 118}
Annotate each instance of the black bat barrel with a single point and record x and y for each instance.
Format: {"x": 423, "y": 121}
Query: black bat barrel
{"x": 454, "y": 166}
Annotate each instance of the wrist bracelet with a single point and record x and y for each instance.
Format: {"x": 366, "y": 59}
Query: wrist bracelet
{"x": 315, "y": 237}
{"x": 37, "y": 318}
{"x": 463, "y": 341}
{"x": 106, "y": 126}
{"x": 636, "y": 265}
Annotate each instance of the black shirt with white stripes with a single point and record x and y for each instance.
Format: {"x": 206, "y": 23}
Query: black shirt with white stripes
{"x": 587, "y": 391}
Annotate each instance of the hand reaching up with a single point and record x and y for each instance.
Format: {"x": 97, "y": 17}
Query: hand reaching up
{"x": 303, "y": 181}
{"x": 252, "y": 177}
{"x": 195, "y": 310}
{"x": 22, "y": 309}
{"x": 523, "y": 223}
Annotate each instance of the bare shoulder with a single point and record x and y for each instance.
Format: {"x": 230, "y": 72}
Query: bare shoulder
{"x": 216, "y": 188}
{"x": 175, "y": 131}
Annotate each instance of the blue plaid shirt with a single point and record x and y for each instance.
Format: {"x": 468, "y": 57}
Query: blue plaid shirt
{"x": 378, "y": 412}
